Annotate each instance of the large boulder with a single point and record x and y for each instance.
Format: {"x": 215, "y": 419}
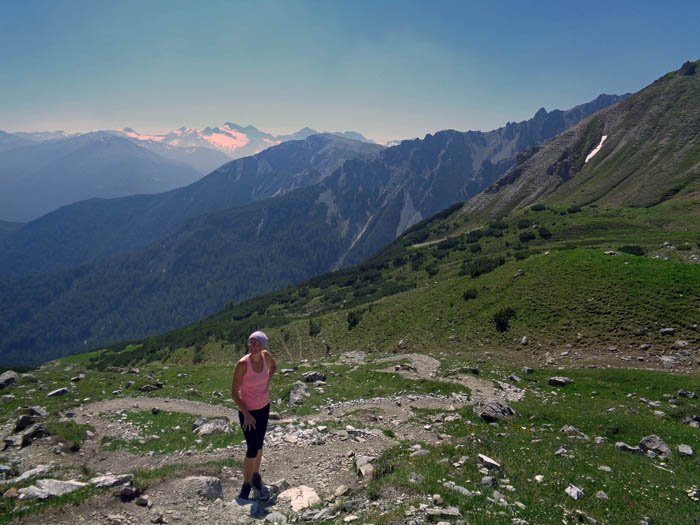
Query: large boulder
{"x": 58, "y": 392}
{"x": 655, "y": 444}
{"x": 8, "y": 378}
{"x": 491, "y": 410}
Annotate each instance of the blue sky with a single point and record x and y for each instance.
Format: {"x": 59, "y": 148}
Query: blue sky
{"x": 387, "y": 69}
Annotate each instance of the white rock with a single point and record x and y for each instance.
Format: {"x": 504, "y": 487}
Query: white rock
{"x": 46, "y": 488}
{"x": 110, "y": 480}
{"x": 300, "y": 497}
{"x": 574, "y": 491}
{"x": 488, "y": 462}
{"x": 685, "y": 450}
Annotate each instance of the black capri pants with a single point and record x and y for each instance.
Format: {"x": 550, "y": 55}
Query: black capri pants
{"x": 254, "y": 437}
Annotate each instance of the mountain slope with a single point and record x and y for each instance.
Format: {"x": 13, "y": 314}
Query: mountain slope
{"x": 89, "y": 230}
{"x": 42, "y": 177}
{"x": 650, "y": 154}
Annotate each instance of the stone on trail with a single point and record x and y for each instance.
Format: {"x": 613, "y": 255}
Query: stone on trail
{"x": 276, "y": 518}
{"x": 655, "y": 444}
{"x": 341, "y": 490}
{"x": 8, "y": 378}
{"x": 574, "y": 491}
{"x": 300, "y": 497}
{"x": 111, "y": 480}
{"x": 47, "y": 488}
{"x": 491, "y": 410}
{"x": 218, "y": 426}
{"x": 58, "y": 392}
{"x": 27, "y": 474}
{"x": 206, "y": 487}
{"x": 560, "y": 381}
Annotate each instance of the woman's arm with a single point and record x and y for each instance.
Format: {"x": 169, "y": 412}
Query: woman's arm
{"x": 271, "y": 366}
{"x": 241, "y": 368}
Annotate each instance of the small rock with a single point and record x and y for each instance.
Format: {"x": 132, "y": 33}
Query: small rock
{"x": 491, "y": 410}
{"x": 601, "y": 495}
{"x": 685, "y": 450}
{"x": 300, "y": 497}
{"x": 109, "y": 480}
{"x": 217, "y": 426}
{"x": 539, "y": 478}
{"x": 47, "y": 488}
{"x": 668, "y": 331}
{"x": 574, "y": 491}
{"x": 605, "y": 468}
{"x": 488, "y": 462}
{"x": 524, "y": 341}
{"x": 297, "y": 394}
{"x": 514, "y": 378}
{"x": 313, "y": 377}
{"x": 621, "y": 445}
{"x": 58, "y": 392}
{"x": 528, "y": 370}
{"x": 437, "y": 499}
{"x": 155, "y": 411}
{"x": 206, "y": 487}
{"x": 560, "y": 381}
{"x": 489, "y": 481}
{"x": 342, "y": 490}
{"x": 686, "y": 394}
{"x": 599, "y": 440}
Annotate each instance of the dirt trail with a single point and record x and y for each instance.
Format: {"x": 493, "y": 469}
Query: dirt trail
{"x": 324, "y": 466}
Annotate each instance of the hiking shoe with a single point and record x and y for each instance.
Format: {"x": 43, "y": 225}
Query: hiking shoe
{"x": 261, "y": 491}
{"x": 245, "y": 491}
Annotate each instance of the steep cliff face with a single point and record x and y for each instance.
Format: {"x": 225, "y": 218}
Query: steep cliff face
{"x": 641, "y": 152}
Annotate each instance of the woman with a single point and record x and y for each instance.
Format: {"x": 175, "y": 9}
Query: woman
{"x": 251, "y": 392}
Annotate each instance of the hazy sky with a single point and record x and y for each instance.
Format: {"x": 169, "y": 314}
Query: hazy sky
{"x": 387, "y": 69}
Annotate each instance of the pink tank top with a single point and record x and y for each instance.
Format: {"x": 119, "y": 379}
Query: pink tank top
{"x": 254, "y": 392}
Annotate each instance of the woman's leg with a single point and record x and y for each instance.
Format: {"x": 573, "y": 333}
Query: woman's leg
{"x": 250, "y": 462}
{"x": 261, "y": 418}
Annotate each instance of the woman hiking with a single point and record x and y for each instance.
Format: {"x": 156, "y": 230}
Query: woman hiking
{"x": 251, "y": 392}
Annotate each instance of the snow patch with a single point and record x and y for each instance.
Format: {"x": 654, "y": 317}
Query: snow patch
{"x": 592, "y": 153}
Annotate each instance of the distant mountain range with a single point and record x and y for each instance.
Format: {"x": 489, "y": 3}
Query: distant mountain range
{"x": 254, "y": 225}
{"x": 233, "y": 140}
{"x": 42, "y": 171}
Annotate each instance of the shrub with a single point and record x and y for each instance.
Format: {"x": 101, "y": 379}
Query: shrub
{"x": 314, "y": 328}
{"x": 524, "y": 223}
{"x": 522, "y": 254}
{"x": 526, "y": 236}
{"x": 474, "y": 236}
{"x": 538, "y": 207}
{"x": 544, "y": 233}
{"x": 502, "y": 318}
{"x": 399, "y": 261}
{"x": 475, "y": 248}
{"x": 469, "y": 294}
{"x": 481, "y": 266}
{"x": 632, "y": 250}
{"x": 684, "y": 247}
{"x": 432, "y": 269}
{"x": 354, "y": 318}
{"x": 573, "y": 209}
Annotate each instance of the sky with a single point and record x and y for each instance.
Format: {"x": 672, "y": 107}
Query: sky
{"x": 387, "y": 69}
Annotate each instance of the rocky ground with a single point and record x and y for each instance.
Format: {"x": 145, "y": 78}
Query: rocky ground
{"x": 329, "y": 463}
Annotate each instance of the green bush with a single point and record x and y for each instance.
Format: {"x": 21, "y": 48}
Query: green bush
{"x": 522, "y": 254}
{"x": 573, "y": 209}
{"x": 475, "y": 248}
{"x": 469, "y": 294}
{"x": 481, "y": 266}
{"x": 354, "y": 318}
{"x": 544, "y": 233}
{"x": 526, "y": 237}
{"x": 632, "y": 250}
{"x": 314, "y": 328}
{"x": 502, "y": 318}
{"x": 524, "y": 223}
{"x": 538, "y": 207}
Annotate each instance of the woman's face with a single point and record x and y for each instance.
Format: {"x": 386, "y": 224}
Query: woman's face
{"x": 254, "y": 346}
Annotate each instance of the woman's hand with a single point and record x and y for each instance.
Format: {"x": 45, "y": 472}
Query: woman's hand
{"x": 248, "y": 421}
